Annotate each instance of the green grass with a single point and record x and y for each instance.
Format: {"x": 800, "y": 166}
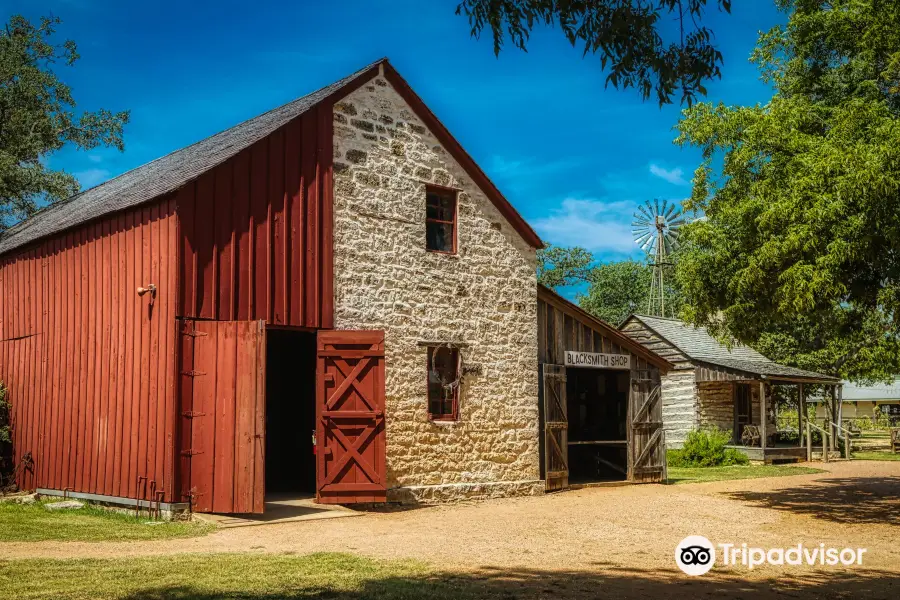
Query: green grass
{"x": 679, "y": 475}
{"x": 875, "y": 456}
{"x": 34, "y": 523}
{"x": 206, "y": 576}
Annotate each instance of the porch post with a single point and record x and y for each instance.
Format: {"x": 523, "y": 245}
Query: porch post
{"x": 801, "y": 414}
{"x": 833, "y": 417}
{"x": 763, "y": 416}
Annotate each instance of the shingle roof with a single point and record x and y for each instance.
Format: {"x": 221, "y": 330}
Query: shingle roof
{"x": 162, "y": 175}
{"x": 698, "y": 345}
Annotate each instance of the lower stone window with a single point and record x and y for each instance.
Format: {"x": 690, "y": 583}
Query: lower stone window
{"x": 443, "y": 383}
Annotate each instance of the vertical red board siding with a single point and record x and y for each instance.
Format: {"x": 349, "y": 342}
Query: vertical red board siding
{"x": 223, "y": 398}
{"x": 257, "y": 231}
{"x": 87, "y": 362}
{"x": 350, "y": 428}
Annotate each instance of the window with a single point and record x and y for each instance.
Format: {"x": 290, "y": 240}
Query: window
{"x": 443, "y": 383}
{"x": 440, "y": 220}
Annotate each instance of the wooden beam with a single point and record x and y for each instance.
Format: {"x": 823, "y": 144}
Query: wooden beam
{"x": 763, "y": 416}
{"x": 801, "y": 413}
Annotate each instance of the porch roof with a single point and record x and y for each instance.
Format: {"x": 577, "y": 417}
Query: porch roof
{"x": 699, "y": 346}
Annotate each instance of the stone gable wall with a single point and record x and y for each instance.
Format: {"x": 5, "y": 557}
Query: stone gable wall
{"x": 484, "y": 299}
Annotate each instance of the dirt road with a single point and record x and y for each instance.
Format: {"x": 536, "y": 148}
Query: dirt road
{"x": 629, "y": 532}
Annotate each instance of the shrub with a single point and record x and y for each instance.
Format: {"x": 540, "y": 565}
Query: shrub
{"x": 706, "y": 448}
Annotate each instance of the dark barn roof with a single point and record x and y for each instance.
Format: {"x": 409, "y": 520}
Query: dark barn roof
{"x": 698, "y": 345}
{"x": 169, "y": 173}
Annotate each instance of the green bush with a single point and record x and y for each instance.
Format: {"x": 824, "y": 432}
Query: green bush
{"x": 706, "y": 447}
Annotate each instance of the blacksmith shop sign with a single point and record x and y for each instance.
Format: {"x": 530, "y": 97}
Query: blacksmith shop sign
{"x": 594, "y": 360}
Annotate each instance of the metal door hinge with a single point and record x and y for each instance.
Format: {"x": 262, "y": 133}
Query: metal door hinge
{"x": 193, "y": 373}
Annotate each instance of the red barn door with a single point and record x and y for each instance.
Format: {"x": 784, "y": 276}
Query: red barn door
{"x": 350, "y": 417}
{"x": 223, "y": 415}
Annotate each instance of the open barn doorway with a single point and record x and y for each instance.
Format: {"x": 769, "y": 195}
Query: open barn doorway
{"x": 290, "y": 413}
{"x": 597, "y": 407}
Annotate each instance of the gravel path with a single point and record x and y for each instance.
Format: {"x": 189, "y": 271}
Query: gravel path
{"x": 621, "y": 529}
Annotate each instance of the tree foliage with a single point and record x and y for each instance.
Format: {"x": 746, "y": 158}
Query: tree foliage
{"x": 37, "y": 118}
{"x": 625, "y": 34}
{"x": 799, "y": 254}
{"x": 614, "y": 290}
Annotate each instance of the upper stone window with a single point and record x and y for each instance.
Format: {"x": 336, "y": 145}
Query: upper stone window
{"x": 440, "y": 220}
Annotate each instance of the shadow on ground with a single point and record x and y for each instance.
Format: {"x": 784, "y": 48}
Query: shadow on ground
{"x": 857, "y": 500}
{"x": 617, "y": 583}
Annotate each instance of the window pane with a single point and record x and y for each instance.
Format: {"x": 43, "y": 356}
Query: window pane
{"x": 439, "y": 236}
{"x": 442, "y": 366}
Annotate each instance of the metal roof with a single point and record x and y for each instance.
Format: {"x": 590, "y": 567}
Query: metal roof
{"x": 162, "y": 175}
{"x": 698, "y": 345}
{"x": 854, "y": 392}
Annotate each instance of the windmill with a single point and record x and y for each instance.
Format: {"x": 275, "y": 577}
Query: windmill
{"x": 655, "y": 230}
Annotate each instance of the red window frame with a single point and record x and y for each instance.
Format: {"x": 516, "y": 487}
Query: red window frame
{"x": 442, "y": 193}
{"x": 447, "y": 405}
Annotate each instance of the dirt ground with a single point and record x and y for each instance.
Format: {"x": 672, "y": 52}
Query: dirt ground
{"x": 620, "y": 538}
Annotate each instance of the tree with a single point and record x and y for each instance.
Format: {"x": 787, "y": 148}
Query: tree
{"x": 37, "y": 119}
{"x": 799, "y": 253}
{"x": 626, "y": 34}
{"x": 614, "y": 290}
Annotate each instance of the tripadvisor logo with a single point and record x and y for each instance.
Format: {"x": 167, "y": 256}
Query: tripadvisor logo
{"x": 696, "y": 555}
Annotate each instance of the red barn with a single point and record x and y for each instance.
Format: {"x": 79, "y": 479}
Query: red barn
{"x": 337, "y": 268}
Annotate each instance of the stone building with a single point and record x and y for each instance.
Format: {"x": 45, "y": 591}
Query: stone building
{"x": 714, "y": 385}
{"x": 329, "y": 299}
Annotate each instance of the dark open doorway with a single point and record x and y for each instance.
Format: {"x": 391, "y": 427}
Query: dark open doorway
{"x": 290, "y": 412}
{"x": 597, "y": 403}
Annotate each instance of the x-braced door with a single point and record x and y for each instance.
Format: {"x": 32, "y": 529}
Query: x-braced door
{"x": 648, "y": 439}
{"x": 556, "y": 428}
{"x": 223, "y": 418}
{"x": 350, "y": 432}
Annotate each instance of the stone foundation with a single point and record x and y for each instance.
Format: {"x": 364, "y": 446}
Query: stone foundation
{"x": 455, "y": 492}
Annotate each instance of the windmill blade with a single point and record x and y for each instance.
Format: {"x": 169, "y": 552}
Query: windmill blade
{"x": 646, "y": 210}
{"x": 642, "y": 239}
{"x": 665, "y": 208}
{"x": 656, "y": 201}
{"x": 672, "y": 212}
{"x": 639, "y": 220}
{"x": 640, "y": 223}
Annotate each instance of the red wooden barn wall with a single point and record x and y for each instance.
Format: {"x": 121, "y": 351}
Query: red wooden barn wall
{"x": 88, "y": 363}
{"x": 91, "y": 370}
{"x": 257, "y": 231}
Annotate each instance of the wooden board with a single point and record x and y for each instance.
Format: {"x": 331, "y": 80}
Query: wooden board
{"x": 223, "y": 409}
{"x": 350, "y": 429}
{"x": 647, "y": 459}
{"x": 556, "y": 428}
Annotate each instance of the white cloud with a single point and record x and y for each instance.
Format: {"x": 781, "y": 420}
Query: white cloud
{"x": 592, "y": 224}
{"x": 673, "y": 176}
{"x": 91, "y": 177}
{"x": 95, "y": 158}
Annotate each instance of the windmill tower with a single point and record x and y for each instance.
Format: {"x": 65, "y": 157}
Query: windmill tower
{"x": 655, "y": 230}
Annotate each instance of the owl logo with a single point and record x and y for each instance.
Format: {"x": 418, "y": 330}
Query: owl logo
{"x": 695, "y": 555}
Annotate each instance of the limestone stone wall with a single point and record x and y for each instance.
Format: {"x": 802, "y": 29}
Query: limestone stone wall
{"x": 679, "y": 405}
{"x": 715, "y": 402}
{"x": 484, "y": 299}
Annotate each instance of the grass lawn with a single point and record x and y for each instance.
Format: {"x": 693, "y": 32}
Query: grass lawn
{"x": 703, "y": 474}
{"x": 33, "y": 523}
{"x": 875, "y": 456}
{"x": 205, "y": 576}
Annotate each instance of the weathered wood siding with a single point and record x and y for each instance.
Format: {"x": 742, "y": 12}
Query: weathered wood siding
{"x": 257, "y": 231}
{"x": 679, "y": 387}
{"x": 89, "y": 364}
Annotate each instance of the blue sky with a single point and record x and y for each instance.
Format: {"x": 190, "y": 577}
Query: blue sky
{"x": 574, "y": 158}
